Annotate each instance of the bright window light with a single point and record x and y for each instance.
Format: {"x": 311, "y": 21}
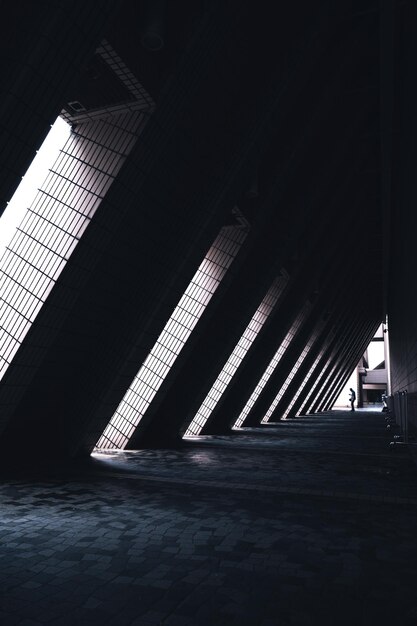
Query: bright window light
{"x": 289, "y": 379}
{"x": 32, "y": 180}
{"x": 303, "y": 384}
{"x": 314, "y": 392}
{"x": 317, "y": 389}
{"x": 23, "y": 284}
{"x": 172, "y": 339}
{"x": 49, "y": 213}
{"x": 272, "y": 365}
{"x": 258, "y": 320}
{"x": 376, "y": 354}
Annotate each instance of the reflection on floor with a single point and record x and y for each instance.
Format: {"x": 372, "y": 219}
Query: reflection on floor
{"x": 304, "y": 522}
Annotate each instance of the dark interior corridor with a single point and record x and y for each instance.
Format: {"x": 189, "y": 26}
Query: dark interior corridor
{"x": 226, "y": 225}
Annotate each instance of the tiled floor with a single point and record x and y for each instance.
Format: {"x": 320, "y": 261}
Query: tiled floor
{"x": 304, "y": 522}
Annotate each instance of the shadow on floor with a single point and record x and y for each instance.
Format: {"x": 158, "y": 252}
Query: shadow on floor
{"x": 304, "y": 522}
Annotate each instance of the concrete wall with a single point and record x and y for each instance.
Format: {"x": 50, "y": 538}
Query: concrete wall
{"x": 402, "y": 296}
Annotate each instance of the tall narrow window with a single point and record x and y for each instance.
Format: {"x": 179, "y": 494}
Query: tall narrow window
{"x": 32, "y": 180}
{"x": 311, "y": 394}
{"x": 20, "y": 300}
{"x": 289, "y": 379}
{"x": 258, "y": 320}
{"x": 303, "y": 384}
{"x": 272, "y": 365}
{"x": 62, "y": 208}
{"x": 173, "y": 337}
{"x": 317, "y": 390}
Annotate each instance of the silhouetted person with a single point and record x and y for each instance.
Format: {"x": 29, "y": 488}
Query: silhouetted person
{"x": 352, "y": 398}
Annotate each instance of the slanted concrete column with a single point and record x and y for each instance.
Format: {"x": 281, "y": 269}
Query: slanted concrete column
{"x": 329, "y": 386}
{"x": 315, "y": 344}
{"x": 319, "y": 303}
{"x": 243, "y": 288}
{"x": 321, "y": 336}
{"x": 339, "y": 359}
{"x": 344, "y": 368}
{"x": 323, "y": 367}
{"x": 171, "y": 412}
{"x": 354, "y": 340}
{"x": 154, "y": 225}
{"x": 301, "y": 285}
{"x": 345, "y": 328}
{"x": 356, "y": 310}
{"x": 290, "y": 356}
{"x": 272, "y": 334}
{"x": 355, "y": 356}
{"x": 133, "y": 262}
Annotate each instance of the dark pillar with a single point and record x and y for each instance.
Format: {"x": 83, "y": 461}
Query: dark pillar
{"x": 363, "y": 342}
{"x": 218, "y": 332}
{"x": 262, "y": 351}
{"x": 338, "y": 362}
{"x": 311, "y": 351}
{"x": 345, "y": 365}
{"x": 321, "y": 303}
{"x": 351, "y": 362}
{"x": 326, "y": 362}
{"x": 43, "y": 48}
{"x": 167, "y": 418}
{"x": 315, "y": 345}
{"x": 329, "y": 340}
{"x": 346, "y": 331}
{"x": 153, "y": 227}
{"x": 290, "y": 356}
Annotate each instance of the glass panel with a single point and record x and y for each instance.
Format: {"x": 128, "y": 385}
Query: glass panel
{"x": 258, "y": 320}
{"x": 77, "y": 167}
{"x": 289, "y": 379}
{"x": 272, "y": 365}
{"x": 294, "y": 400}
{"x": 172, "y": 339}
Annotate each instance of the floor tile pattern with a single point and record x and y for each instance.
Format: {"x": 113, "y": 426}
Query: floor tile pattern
{"x": 305, "y": 522}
